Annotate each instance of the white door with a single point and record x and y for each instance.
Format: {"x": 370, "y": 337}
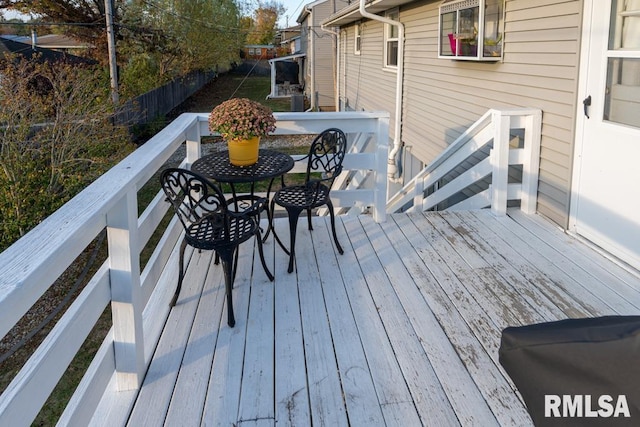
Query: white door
{"x": 605, "y": 204}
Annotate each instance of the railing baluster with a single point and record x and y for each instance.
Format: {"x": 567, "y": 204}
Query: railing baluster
{"x": 500, "y": 163}
{"x": 126, "y": 295}
{"x": 531, "y": 163}
{"x": 194, "y": 150}
{"x": 382, "y": 148}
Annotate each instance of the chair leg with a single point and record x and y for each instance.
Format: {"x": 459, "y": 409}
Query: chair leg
{"x": 183, "y": 246}
{"x": 262, "y": 260}
{"x": 294, "y": 214}
{"x": 309, "y": 219}
{"x": 235, "y": 266}
{"x": 275, "y": 235}
{"x": 333, "y": 227}
{"x": 227, "y": 267}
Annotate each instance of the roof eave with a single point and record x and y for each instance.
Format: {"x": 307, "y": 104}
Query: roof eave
{"x": 352, "y": 14}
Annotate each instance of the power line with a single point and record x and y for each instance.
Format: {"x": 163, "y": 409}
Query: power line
{"x": 51, "y": 24}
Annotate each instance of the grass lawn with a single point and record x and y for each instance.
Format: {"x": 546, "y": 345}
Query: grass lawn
{"x": 228, "y": 86}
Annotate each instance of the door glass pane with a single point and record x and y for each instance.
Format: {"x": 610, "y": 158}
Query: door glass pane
{"x": 624, "y": 31}
{"x": 622, "y": 93}
{"x": 622, "y": 96}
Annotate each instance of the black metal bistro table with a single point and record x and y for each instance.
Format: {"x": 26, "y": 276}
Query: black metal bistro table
{"x": 270, "y": 165}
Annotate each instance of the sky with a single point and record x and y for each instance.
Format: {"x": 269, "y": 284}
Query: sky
{"x": 292, "y": 10}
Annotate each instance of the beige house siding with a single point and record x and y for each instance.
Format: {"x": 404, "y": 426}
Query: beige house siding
{"x": 319, "y": 46}
{"x": 443, "y": 97}
{"x": 324, "y": 58}
{"x": 368, "y": 86}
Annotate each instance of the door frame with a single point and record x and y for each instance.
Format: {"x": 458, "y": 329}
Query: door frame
{"x": 582, "y": 90}
{"x": 592, "y": 18}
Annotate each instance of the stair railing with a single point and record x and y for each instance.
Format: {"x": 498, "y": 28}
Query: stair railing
{"x": 494, "y": 163}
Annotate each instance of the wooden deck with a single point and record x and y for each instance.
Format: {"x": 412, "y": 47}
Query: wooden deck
{"x": 401, "y": 330}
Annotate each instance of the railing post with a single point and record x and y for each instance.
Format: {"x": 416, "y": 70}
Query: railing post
{"x": 418, "y": 196}
{"x": 194, "y": 150}
{"x": 126, "y": 298}
{"x": 500, "y": 163}
{"x": 381, "y": 180}
{"x": 531, "y": 162}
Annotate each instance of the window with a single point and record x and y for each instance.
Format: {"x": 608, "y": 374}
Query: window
{"x": 471, "y": 29}
{"x": 358, "y": 40}
{"x": 391, "y": 40}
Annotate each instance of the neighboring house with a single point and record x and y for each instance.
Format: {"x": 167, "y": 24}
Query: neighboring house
{"x": 62, "y": 43}
{"x": 290, "y": 40}
{"x": 313, "y": 52}
{"x": 259, "y": 51}
{"x": 58, "y": 42}
{"x": 556, "y": 56}
{"x": 319, "y": 45}
{"x": 28, "y": 50}
{"x": 286, "y": 70}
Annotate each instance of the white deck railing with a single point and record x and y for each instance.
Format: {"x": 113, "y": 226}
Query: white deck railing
{"x": 487, "y": 154}
{"x": 139, "y": 299}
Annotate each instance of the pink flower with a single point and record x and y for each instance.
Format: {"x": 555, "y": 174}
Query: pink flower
{"x": 241, "y": 118}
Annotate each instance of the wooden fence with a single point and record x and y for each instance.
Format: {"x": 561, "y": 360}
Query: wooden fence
{"x": 160, "y": 101}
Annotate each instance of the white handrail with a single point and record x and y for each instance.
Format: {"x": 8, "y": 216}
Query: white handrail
{"x": 452, "y": 174}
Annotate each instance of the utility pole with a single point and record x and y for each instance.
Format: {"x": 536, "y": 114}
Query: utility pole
{"x": 111, "y": 45}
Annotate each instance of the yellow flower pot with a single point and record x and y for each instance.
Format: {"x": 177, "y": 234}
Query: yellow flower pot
{"x": 244, "y": 152}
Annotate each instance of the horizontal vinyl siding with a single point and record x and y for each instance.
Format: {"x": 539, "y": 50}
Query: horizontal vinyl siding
{"x": 442, "y": 97}
{"x": 324, "y": 57}
{"x": 368, "y": 86}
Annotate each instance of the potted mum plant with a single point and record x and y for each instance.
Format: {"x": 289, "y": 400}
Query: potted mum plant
{"x": 242, "y": 122}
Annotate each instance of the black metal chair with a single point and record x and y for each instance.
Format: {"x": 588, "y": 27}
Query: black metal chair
{"x": 324, "y": 164}
{"x": 210, "y": 225}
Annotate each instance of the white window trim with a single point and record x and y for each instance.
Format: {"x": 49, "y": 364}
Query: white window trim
{"x": 357, "y": 42}
{"x": 387, "y": 38}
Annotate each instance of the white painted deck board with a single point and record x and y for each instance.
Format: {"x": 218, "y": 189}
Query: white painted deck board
{"x": 403, "y": 329}
{"x": 469, "y": 329}
{"x": 357, "y": 383}
{"x": 393, "y": 395}
{"x": 388, "y": 292}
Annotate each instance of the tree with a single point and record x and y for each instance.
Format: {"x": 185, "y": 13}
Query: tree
{"x": 174, "y": 37}
{"x": 157, "y": 40}
{"x": 266, "y": 16}
{"x": 56, "y": 137}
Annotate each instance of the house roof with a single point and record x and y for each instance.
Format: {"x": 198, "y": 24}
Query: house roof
{"x": 60, "y": 41}
{"x": 291, "y": 33}
{"x": 306, "y": 10}
{"x": 267, "y": 46}
{"x": 26, "y": 50}
{"x": 287, "y": 58}
{"x": 351, "y": 13}
{"x": 51, "y": 41}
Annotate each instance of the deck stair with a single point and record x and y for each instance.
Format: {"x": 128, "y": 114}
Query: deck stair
{"x": 494, "y": 163}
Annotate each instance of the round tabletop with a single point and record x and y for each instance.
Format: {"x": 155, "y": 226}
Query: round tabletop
{"x": 270, "y": 164}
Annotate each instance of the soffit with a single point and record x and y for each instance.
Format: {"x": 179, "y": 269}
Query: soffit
{"x": 351, "y": 13}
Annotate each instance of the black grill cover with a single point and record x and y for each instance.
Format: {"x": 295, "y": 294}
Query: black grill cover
{"x": 583, "y": 359}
